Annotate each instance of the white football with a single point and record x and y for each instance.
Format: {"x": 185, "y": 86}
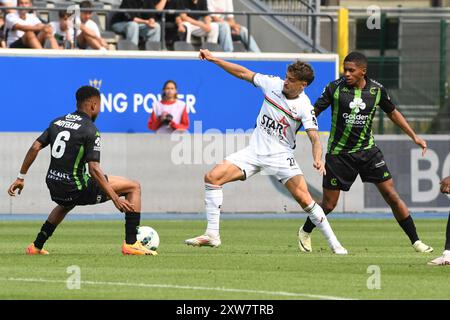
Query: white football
{"x": 148, "y": 237}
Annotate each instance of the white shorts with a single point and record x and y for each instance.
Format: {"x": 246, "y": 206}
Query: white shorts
{"x": 283, "y": 165}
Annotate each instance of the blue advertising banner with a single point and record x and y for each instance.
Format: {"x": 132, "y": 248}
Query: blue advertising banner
{"x": 37, "y": 88}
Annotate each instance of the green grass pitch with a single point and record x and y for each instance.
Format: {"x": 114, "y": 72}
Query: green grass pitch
{"x": 258, "y": 259}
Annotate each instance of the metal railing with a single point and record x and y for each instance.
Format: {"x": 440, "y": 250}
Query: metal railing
{"x": 307, "y": 26}
{"x": 163, "y": 14}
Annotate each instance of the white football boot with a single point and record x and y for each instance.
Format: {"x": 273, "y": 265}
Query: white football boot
{"x": 339, "y": 250}
{"x": 419, "y": 246}
{"x": 204, "y": 241}
{"x": 443, "y": 260}
{"x": 304, "y": 240}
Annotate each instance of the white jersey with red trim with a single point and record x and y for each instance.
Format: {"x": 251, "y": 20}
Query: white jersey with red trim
{"x": 279, "y": 118}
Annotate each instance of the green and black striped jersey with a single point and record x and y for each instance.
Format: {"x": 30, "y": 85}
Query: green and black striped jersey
{"x": 352, "y": 113}
{"x": 74, "y": 141}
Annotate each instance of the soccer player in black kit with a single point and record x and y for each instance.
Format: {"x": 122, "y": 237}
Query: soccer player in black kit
{"x": 75, "y": 142}
{"x": 354, "y": 98}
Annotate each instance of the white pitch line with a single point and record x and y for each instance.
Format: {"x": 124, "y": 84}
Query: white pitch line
{"x": 170, "y": 286}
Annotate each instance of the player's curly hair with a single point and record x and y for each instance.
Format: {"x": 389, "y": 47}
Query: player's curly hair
{"x": 302, "y": 71}
{"x": 84, "y": 93}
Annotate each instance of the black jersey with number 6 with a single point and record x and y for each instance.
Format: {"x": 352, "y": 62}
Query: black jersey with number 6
{"x": 74, "y": 141}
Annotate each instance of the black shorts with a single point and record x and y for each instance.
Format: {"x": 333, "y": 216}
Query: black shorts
{"x": 342, "y": 169}
{"x": 92, "y": 194}
{"x": 18, "y": 44}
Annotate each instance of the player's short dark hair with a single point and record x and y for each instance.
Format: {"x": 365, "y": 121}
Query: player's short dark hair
{"x": 86, "y": 4}
{"x": 84, "y": 93}
{"x": 302, "y": 71}
{"x": 358, "y": 58}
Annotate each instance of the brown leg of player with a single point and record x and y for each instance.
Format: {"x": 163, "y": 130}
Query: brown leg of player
{"x": 58, "y": 214}
{"x": 399, "y": 209}
{"x": 132, "y": 191}
{"x": 54, "y": 219}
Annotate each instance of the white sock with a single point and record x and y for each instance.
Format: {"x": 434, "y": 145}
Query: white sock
{"x": 320, "y": 220}
{"x": 213, "y": 203}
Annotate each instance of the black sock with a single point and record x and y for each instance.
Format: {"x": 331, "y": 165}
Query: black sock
{"x": 447, "y": 234}
{"x": 132, "y": 220}
{"x": 46, "y": 232}
{"x": 410, "y": 228}
{"x": 309, "y": 226}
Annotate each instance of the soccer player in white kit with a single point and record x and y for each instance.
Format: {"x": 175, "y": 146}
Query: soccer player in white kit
{"x": 285, "y": 109}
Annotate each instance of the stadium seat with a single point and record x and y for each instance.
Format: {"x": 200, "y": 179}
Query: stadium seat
{"x": 124, "y": 44}
{"x": 53, "y": 15}
{"x": 152, "y": 45}
{"x": 40, "y": 4}
{"x": 56, "y": 1}
{"x": 183, "y": 46}
{"x": 239, "y": 46}
{"x": 111, "y": 3}
{"x": 109, "y": 36}
{"x": 41, "y": 14}
{"x": 214, "y": 47}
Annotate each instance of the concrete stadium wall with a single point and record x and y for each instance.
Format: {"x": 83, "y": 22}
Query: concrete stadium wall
{"x": 173, "y": 182}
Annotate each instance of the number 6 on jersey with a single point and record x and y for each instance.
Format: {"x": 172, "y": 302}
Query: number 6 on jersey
{"x": 59, "y": 146}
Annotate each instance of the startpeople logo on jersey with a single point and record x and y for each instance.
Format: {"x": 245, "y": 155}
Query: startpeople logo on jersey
{"x": 274, "y": 127}
{"x": 121, "y": 102}
{"x": 356, "y": 119}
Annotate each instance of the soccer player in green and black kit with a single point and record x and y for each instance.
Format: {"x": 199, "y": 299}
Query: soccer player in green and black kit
{"x": 75, "y": 142}
{"x": 354, "y": 99}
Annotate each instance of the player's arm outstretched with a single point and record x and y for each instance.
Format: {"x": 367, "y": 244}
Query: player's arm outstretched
{"x": 313, "y": 136}
{"x": 235, "y": 69}
{"x": 27, "y": 162}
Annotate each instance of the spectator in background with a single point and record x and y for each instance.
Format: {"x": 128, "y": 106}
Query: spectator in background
{"x": 134, "y": 25}
{"x": 63, "y": 30}
{"x": 198, "y": 25}
{"x": 174, "y": 23}
{"x": 24, "y": 30}
{"x": 169, "y": 114}
{"x": 89, "y": 37}
{"x": 2, "y": 32}
{"x": 8, "y": 3}
{"x": 228, "y": 25}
